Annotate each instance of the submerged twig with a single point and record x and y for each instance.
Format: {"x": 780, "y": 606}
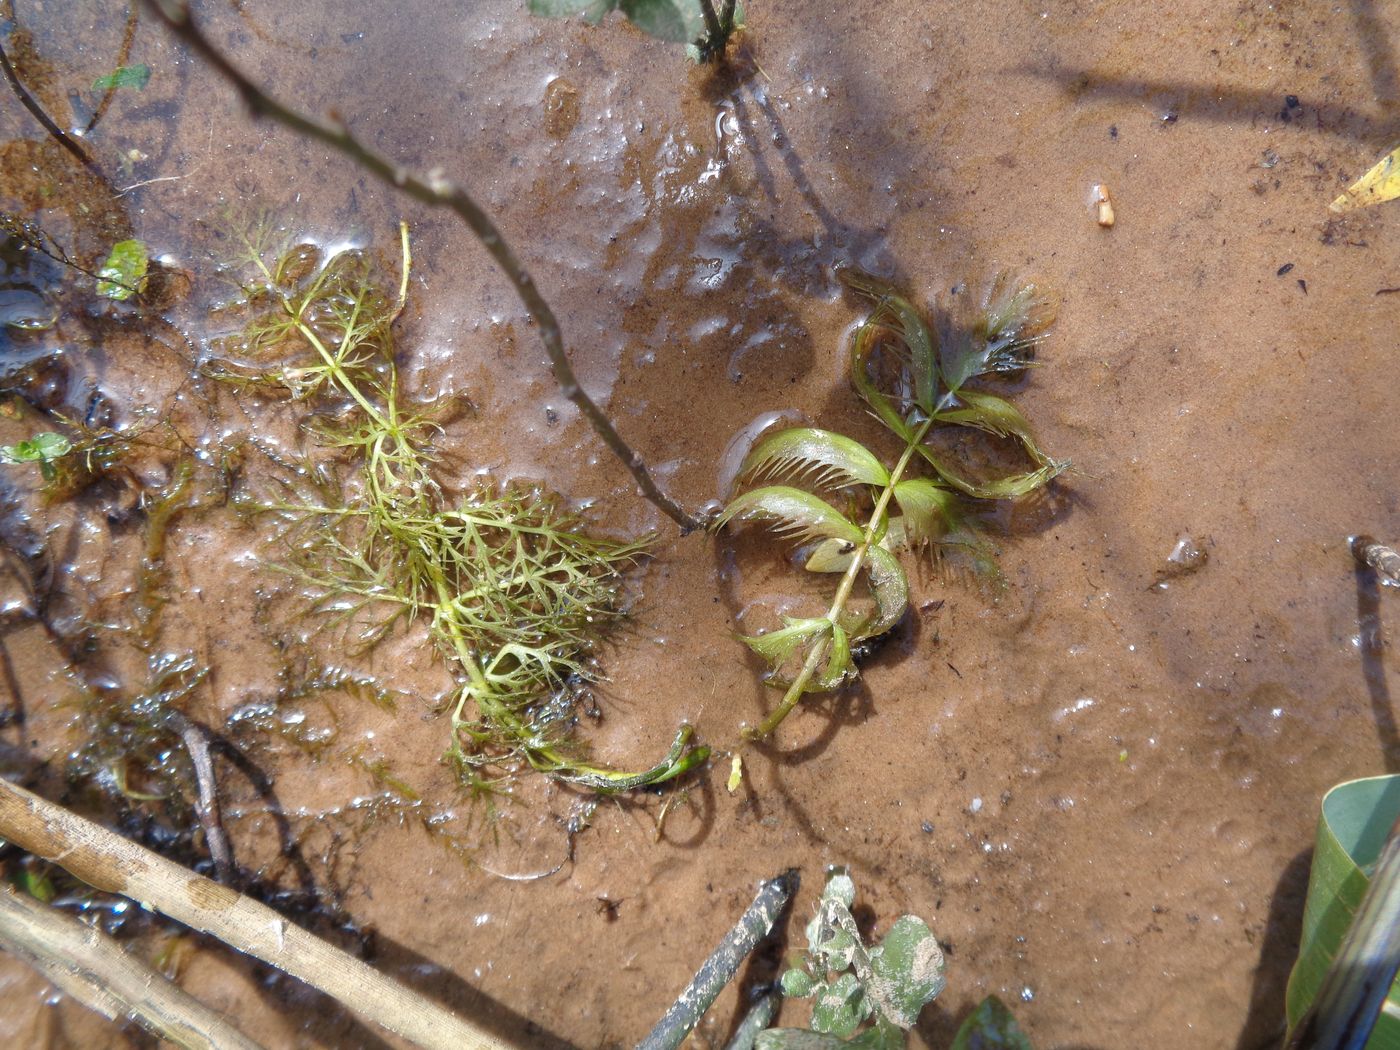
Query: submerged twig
{"x": 109, "y": 862}
{"x": 1382, "y": 560}
{"x": 30, "y": 103}
{"x": 123, "y": 54}
{"x": 197, "y": 739}
{"x": 434, "y": 190}
{"x": 92, "y": 968}
{"x": 719, "y": 969}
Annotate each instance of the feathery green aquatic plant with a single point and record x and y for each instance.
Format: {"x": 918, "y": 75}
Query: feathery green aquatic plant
{"x": 913, "y": 381}
{"x": 511, "y": 587}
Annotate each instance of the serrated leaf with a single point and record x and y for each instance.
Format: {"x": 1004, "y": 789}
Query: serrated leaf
{"x": 890, "y": 587}
{"x": 867, "y": 337}
{"x": 830, "y": 556}
{"x": 592, "y": 10}
{"x": 839, "y": 666}
{"x": 121, "y": 275}
{"x": 930, "y": 511}
{"x": 1014, "y": 320}
{"x": 990, "y": 1027}
{"x": 1381, "y": 183}
{"x": 777, "y": 647}
{"x": 816, "y": 456}
{"x": 909, "y": 971}
{"x": 124, "y": 77}
{"x": 796, "y": 513}
{"x": 840, "y": 1007}
{"x": 798, "y": 984}
{"x": 675, "y": 21}
{"x": 897, "y": 314}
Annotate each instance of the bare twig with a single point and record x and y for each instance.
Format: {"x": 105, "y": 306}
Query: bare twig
{"x": 109, "y": 862}
{"x": 206, "y": 806}
{"x": 719, "y": 969}
{"x": 434, "y": 190}
{"x": 1382, "y": 560}
{"x": 30, "y": 103}
{"x": 123, "y": 54}
{"x": 90, "y": 967}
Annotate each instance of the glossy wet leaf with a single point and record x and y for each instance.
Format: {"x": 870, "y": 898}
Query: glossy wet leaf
{"x": 121, "y": 275}
{"x": 818, "y": 457}
{"x": 1352, "y": 829}
{"x": 909, "y": 971}
{"x": 990, "y": 1027}
{"x": 1380, "y": 184}
{"x": 675, "y": 21}
{"x": 124, "y": 77}
{"x": 41, "y": 448}
{"x": 839, "y": 666}
{"x": 896, "y": 314}
{"x": 778, "y": 647}
{"x": 794, "y": 512}
{"x": 840, "y": 888}
{"x": 890, "y": 587}
{"x": 930, "y": 510}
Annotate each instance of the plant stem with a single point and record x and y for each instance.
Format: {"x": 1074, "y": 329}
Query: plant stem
{"x": 719, "y": 969}
{"x": 843, "y": 593}
{"x": 435, "y": 191}
{"x": 93, "y": 969}
{"x": 111, "y": 863}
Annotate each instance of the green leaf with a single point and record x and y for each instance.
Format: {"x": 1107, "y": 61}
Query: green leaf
{"x": 909, "y": 971}
{"x": 124, "y": 77}
{"x": 840, "y": 1007}
{"x": 1352, "y": 829}
{"x": 831, "y": 556}
{"x": 891, "y": 590}
{"x": 798, "y": 984}
{"x": 1014, "y": 320}
{"x": 867, "y": 338}
{"x": 777, "y": 647}
{"x": 817, "y": 456}
{"x": 41, "y": 448}
{"x": 121, "y": 275}
{"x": 1001, "y": 488}
{"x": 840, "y": 888}
{"x": 797, "y": 513}
{"x": 990, "y": 1027}
{"x": 839, "y": 666}
{"x": 896, "y": 314}
{"x": 675, "y": 21}
{"x": 592, "y": 10}
{"x": 930, "y": 510}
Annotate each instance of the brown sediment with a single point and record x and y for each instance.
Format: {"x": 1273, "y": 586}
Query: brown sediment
{"x": 1098, "y": 794}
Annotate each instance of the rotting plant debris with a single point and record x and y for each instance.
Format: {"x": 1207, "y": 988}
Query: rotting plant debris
{"x": 514, "y": 592}
{"x": 913, "y": 380}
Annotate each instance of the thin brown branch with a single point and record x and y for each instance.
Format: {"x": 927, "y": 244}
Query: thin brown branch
{"x": 30, "y": 103}
{"x": 436, "y": 191}
{"x": 90, "y": 967}
{"x": 111, "y": 863}
{"x": 206, "y": 806}
{"x": 123, "y": 55}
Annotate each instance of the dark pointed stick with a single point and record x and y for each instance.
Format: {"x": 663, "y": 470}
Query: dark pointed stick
{"x": 30, "y": 103}
{"x": 434, "y": 190}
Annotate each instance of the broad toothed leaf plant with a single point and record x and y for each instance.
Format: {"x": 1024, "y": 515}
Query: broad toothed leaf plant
{"x": 856, "y": 514}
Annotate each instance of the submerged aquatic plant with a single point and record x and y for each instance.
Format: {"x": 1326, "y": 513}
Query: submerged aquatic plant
{"x": 913, "y": 382}
{"x": 513, "y": 590}
{"x": 703, "y": 27}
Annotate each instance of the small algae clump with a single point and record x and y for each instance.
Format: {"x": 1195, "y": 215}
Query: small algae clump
{"x": 512, "y": 589}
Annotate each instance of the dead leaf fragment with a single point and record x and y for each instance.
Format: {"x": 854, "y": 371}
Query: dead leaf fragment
{"x": 1381, "y": 183}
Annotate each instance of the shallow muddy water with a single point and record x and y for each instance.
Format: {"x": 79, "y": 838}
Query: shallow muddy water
{"x": 1098, "y": 788}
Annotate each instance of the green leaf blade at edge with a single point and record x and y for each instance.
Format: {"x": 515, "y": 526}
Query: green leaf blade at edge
{"x": 1353, "y": 824}
{"x": 819, "y": 454}
{"x": 930, "y": 510}
{"x": 990, "y": 1026}
{"x": 795, "y": 512}
{"x": 593, "y": 11}
{"x": 890, "y": 587}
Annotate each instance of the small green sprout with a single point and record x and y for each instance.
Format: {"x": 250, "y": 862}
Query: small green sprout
{"x": 43, "y": 449}
{"x": 124, "y": 77}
